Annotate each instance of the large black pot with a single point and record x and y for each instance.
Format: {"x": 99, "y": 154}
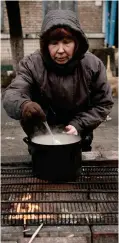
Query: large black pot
{"x": 56, "y": 162}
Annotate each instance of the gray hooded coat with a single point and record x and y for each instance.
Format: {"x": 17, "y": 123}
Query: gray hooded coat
{"x": 75, "y": 93}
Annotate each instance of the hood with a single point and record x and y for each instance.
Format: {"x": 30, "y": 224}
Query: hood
{"x": 60, "y": 18}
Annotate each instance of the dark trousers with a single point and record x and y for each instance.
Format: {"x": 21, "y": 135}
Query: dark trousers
{"x": 86, "y": 142}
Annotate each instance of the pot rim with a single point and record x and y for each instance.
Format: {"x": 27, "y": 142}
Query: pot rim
{"x": 77, "y": 137}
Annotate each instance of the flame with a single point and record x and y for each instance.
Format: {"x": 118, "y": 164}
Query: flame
{"x": 29, "y": 208}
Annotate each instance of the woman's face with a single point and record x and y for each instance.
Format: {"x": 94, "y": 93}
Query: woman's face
{"x": 61, "y": 51}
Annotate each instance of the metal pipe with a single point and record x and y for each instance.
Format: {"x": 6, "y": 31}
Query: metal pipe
{"x": 2, "y": 16}
{"x": 107, "y": 22}
{"x": 112, "y": 23}
{"x": 50, "y": 5}
{"x": 103, "y": 17}
{"x": 60, "y": 4}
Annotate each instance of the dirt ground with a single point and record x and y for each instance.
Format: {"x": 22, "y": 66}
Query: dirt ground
{"x": 105, "y": 136}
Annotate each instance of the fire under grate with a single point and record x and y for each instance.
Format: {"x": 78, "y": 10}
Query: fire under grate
{"x": 91, "y": 200}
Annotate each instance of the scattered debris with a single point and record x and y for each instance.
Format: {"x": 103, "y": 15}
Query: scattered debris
{"x": 10, "y": 138}
{"x": 26, "y": 230}
{"x": 108, "y": 118}
{"x": 35, "y": 233}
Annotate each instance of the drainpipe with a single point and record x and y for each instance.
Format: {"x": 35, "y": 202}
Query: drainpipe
{"x": 60, "y": 2}
{"x": 52, "y": 5}
{"x": 107, "y": 22}
{"x": 71, "y": 5}
{"x": 103, "y": 17}
{"x": 49, "y": 5}
{"x": 2, "y": 16}
{"x": 112, "y": 23}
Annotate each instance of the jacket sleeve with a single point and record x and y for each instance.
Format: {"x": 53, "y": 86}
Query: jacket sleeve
{"x": 19, "y": 90}
{"x": 101, "y": 103}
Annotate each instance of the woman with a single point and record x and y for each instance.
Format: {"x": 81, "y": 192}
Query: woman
{"x": 62, "y": 82}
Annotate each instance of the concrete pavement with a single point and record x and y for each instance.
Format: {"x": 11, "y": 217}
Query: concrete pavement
{"x": 105, "y": 136}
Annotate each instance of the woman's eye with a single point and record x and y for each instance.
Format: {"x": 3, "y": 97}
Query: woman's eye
{"x": 67, "y": 41}
{"x": 53, "y": 42}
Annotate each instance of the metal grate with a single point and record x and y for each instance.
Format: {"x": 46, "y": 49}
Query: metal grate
{"x": 91, "y": 199}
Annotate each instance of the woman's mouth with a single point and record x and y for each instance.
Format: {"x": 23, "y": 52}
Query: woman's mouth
{"x": 61, "y": 59}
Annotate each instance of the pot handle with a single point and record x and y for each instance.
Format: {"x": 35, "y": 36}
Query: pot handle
{"x": 27, "y": 140}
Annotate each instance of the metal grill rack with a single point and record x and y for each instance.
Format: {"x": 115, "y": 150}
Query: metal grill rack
{"x": 91, "y": 199}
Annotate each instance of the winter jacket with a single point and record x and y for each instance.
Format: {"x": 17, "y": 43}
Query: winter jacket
{"x": 75, "y": 93}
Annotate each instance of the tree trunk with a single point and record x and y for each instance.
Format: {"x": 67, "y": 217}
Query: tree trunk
{"x": 16, "y": 37}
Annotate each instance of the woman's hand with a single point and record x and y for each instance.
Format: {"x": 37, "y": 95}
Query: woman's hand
{"x": 32, "y": 117}
{"x": 71, "y": 130}
{"x": 32, "y": 110}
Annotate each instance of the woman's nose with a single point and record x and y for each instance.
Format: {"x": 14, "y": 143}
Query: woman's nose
{"x": 60, "y": 48}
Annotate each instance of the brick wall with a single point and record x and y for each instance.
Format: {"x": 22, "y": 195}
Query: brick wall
{"x": 30, "y": 45}
{"x": 90, "y": 17}
{"x": 31, "y": 16}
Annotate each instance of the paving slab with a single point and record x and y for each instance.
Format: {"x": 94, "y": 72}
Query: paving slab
{"x": 62, "y": 231}
{"x": 105, "y": 136}
{"x": 56, "y": 240}
{"x": 9, "y": 241}
{"x": 92, "y": 157}
{"x": 16, "y": 233}
{"x": 105, "y": 234}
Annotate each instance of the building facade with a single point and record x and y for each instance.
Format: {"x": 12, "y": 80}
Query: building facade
{"x": 91, "y": 16}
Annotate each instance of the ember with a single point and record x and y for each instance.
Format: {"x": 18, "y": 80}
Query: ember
{"x": 92, "y": 199}
{"x": 27, "y": 207}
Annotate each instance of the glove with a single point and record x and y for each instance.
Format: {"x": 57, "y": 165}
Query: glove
{"x": 32, "y": 117}
{"x": 32, "y": 110}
